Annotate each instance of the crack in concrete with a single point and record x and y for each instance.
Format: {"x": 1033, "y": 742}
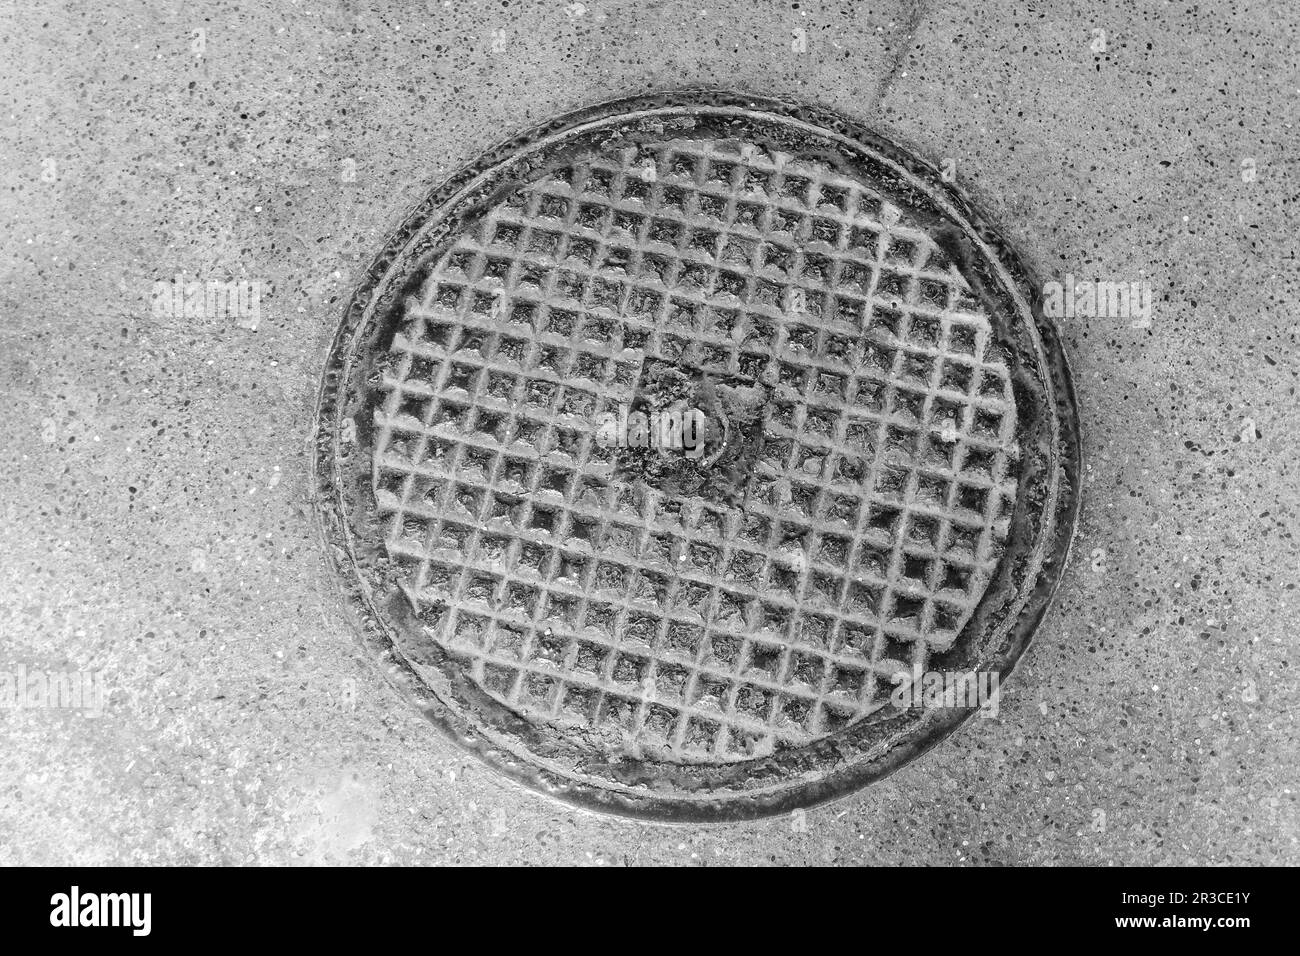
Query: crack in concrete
{"x": 911, "y": 24}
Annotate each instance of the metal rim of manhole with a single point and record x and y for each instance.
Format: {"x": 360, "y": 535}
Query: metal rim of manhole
{"x": 888, "y": 485}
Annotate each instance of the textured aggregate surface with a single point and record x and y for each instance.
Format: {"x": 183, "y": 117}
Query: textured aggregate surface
{"x": 156, "y": 522}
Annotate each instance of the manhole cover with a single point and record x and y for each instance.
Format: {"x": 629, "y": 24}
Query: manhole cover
{"x": 881, "y": 478}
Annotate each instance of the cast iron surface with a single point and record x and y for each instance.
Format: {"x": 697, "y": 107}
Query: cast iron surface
{"x": 696, "y": 641}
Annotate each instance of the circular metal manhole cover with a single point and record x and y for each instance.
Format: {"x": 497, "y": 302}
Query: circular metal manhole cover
{"x": 886, "y": 479}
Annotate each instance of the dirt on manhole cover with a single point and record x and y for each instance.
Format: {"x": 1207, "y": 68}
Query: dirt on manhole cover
{"x": 662, "y": 442}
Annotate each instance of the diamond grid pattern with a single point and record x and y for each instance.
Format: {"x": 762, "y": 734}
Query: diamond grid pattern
{"x": 873, "y": 521}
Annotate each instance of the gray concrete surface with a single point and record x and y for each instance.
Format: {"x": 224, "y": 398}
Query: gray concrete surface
{"x": 156, "y": 525}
